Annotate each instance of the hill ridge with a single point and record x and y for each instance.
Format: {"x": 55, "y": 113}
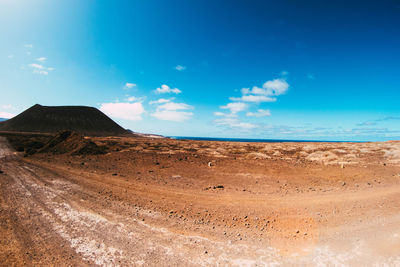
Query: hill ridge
{"x": 51, "y": 119}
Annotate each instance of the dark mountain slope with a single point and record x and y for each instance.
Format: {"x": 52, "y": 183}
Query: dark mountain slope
{"x": 49, "y": 119}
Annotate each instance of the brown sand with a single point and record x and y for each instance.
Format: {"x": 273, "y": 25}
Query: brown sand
{"x": 167, "y": 202}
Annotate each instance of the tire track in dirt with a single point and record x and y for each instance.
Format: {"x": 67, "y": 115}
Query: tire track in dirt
{"x": 56, "y": 220}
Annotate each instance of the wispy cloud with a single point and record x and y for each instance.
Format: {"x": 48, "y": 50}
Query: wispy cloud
{"x": 41, "y": 59}
{"x": 171, "y": 111}
{"x": 161, "y": 101}
{"x": 376, "y": 122}
{"x": 28, "y": 45}
{"x": 235, "y": 107}
{"x": 170, "y": 115}
{"x": 134, "y": 98}
{"x": 254, "y": 98}
{"x": 6, "y": 115}
{"x": 8, "y": 106}
{"x": 234, "y": 123}
{"x": 166, "y": 89}
{"x": 36, "y": 66}
{"x": 259, "y": 113}
{"x": 174, "y": 106}
{"x": 367, "y": 123}
{"x": 268, "y": 92}
{"x": 129, "y": 86}
{"x": 180, "y": 68}
{"x": 126, "y": 111}
{"x": 40, "y": 69}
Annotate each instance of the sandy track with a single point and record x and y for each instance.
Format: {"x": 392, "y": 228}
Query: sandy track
{"x": 52, "y": 214}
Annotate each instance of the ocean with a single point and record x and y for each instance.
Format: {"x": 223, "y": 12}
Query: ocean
{"x": 249, "y": 140}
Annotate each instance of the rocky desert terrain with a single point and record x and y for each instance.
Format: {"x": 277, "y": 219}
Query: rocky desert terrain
{"x": 131, "y": 201}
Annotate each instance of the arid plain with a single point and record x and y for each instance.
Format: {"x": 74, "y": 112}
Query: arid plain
{"x": 158, "y": 201}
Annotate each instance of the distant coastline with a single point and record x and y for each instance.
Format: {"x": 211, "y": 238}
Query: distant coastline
{"x": 257, "y": 140}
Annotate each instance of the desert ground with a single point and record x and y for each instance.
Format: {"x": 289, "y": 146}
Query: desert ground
{"x": 162, "y": 202}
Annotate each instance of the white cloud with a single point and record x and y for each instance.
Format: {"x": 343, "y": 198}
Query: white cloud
{"x": 40, "y": 69}
{"x": 126, "y": 111}
{"x": 9, "y": 106}
{"x": 166, "y": 89}
{"x": 129, "y": 85}
{"x": 254, "y": 98}
{"x": 270, "y": 88}
{"x": 43, "y": 72}
{"x": 235, "y": 123}
{"x": 180, "y": 68}
{"x": 174, "y": 106}
{"x": 276, "y": 87}
{"x": 171, "y": 115}
{"x": 10, "y": 56}
{"x": 133, "y": 98}
{"x": 220, "y": 114}
{"x": 36, "y": 66}
{"x": 171, "y": 111}
{"x": 255, "y": 95}
{"x": 160, "y": 101}
{"x": 6, "y": 115}
{"x": 235, "y": 107}
{"x": 28, "y": 45}
{"x": 266, "y": 93}
{"x": 41, "y": 59}
{"x": 259, "y": 113}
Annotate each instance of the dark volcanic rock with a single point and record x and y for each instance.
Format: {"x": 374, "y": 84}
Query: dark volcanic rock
{"x": 73, "y": 143}
{"x": 48, "y": 119}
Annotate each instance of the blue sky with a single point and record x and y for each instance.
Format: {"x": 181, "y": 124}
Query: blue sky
{"x": 252, "y": 69}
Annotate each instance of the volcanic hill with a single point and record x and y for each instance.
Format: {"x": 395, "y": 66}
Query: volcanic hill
{"x": 51, "y": 119}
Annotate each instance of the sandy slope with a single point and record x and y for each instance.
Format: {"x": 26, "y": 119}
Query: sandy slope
{"x": 166, "y": 202}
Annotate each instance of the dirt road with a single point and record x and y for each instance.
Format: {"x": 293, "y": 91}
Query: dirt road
{"x": 55, "y": 213}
